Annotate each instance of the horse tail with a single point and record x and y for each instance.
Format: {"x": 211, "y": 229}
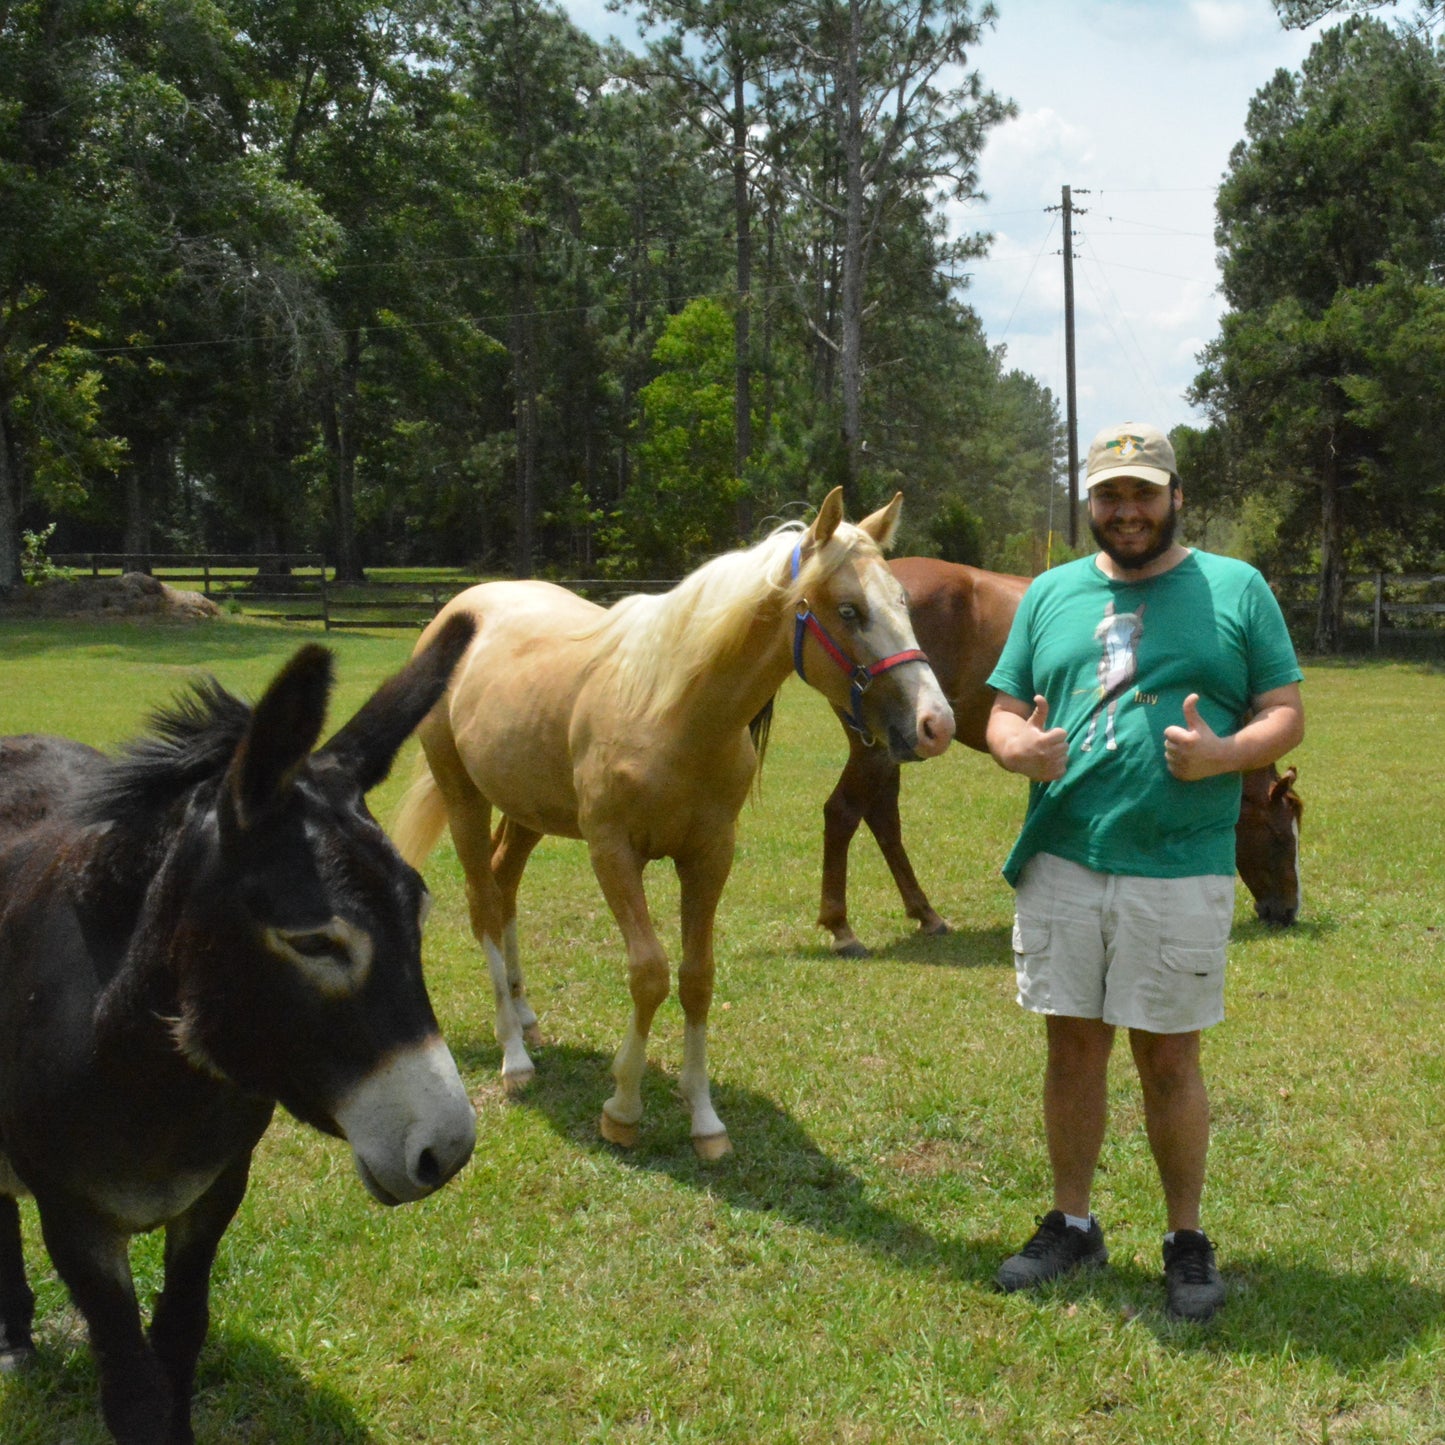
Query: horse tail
{"x": 760, "y": 729}
{"x": 421, "y": 817}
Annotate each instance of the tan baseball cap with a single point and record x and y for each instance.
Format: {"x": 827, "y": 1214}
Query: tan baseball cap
{"x": 1131, "y": 449}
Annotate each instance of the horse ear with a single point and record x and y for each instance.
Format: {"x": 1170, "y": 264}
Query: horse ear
{"x": 829, "y": 515}
{"x": 368, "y": 744}
{"x": 883, "y": 524}
{"x": 283, "y": 729}
{"x": 1283, "y": 784}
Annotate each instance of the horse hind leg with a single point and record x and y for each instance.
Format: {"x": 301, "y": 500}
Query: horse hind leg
{"x": 470, "y": 816}
{"x": 512, "y": 845}
{"x": 886, "y": 825}
{"x": 17, "y": 1301}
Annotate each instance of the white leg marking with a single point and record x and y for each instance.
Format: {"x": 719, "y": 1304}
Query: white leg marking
{"x": 525, "y": 1015}
{"x": 625, "y": 1105}
{"x": 694, "y": 1084}
{"x": 517, "y": 1066}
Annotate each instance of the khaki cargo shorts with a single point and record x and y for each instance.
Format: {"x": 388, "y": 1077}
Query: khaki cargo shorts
{"x": 1138, "y": 953}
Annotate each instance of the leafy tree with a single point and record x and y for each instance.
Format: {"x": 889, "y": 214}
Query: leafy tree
{"x": 1332, "y": 196}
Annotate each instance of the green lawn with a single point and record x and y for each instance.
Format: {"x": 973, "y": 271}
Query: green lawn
{"x": 831, "y": 1281}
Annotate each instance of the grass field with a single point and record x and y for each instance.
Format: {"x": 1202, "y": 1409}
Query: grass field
{"x": 831, "y": 1281}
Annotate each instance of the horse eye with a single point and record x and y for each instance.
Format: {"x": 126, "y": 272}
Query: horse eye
{"x": 847, "y": 612}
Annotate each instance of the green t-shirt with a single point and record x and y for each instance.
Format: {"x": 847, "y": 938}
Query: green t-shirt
{"x": 1116, "y": 661}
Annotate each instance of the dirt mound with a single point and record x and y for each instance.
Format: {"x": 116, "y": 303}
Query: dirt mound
{"x": 133, "y": 594}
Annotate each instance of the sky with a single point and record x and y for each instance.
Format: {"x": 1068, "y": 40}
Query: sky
{"x": 1135, "y": 105}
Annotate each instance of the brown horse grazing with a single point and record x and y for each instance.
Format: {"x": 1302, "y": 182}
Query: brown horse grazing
{"x": 961, "y": 616}
{"x": 190, "y": 932}
{"x": 1266, "y": 843}
{"x": 629, "y": 728}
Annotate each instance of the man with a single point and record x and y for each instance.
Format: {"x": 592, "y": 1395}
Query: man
{"x": 1121, "y": 694}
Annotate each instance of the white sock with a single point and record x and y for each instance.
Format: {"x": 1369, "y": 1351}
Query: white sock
{"x": 1074, "y": 1222}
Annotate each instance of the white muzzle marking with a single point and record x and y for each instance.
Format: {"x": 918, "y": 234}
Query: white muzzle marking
{"x": 409, "y": 1123}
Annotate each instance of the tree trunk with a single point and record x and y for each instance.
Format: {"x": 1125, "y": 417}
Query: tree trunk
{"x": 850, "y": 349}
{"x": 742, "y": 323}
{"x": 340, "y": 419}
{"x": 9, "y": 511}
{"x": 141, "y": 482}
{"x": 524, "y": 384}
{"x": 1330, "y": 616}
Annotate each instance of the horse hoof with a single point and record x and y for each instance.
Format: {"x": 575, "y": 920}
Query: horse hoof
{"x": 532, "y": 1036}
{"x": 712, "y": 1147}
{"x": 623, "y": 1135}
{"x": 516, "y": 1083}
{"x": 852, "y": 948}
{"x": 13, "y": 1362}
{"x": 935, "y": 928}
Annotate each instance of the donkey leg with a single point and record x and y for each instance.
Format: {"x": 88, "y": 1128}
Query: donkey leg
{"x": 182, "y": 1314}
{"x": 619, "y": 871}
{"x": 702, "y": 876}
{"x": 92, "y": 1258}
{"x": 17, "y": 1302}
{"x": 886, "y": 825}
{"x": 844, "y": 810}
{"x": 512, "y": 846}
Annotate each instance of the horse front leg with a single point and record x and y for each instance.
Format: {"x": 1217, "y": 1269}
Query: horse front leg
{"x": 182, "y": 1313}
{"x": 17, "y": 1300}
{"x": 619, "y": 871}
{"x": 512, "y": 845}
{"x": 702, "y": 877}
{"x": 92, "y": 1259}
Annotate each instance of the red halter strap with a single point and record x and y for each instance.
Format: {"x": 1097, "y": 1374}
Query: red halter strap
{"x": 860, "y": 674}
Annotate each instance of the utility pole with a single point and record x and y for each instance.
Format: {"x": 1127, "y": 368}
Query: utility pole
{"x": 1069, "y": 211}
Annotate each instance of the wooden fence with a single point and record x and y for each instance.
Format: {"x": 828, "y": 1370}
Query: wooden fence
{"x": 1383, "y": 611}
{"x": 295, "y": 586}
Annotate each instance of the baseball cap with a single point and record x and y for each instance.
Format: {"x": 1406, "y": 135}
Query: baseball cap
{"x": 1131, "y": 449}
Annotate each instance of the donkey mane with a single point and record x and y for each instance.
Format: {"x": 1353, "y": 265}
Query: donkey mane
{"x": 661, "y": 642}
{"x": 191, "y": 741}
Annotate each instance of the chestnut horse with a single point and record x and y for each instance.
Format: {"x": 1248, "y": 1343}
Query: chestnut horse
{"x": 961, "y": 616}
{"x": 190, "y": 932}
{"x": 629, "y": 729}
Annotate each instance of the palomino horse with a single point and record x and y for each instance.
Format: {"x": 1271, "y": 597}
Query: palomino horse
{"x": 629, "y": 729}
{"x": 208, "y": 924}
{"x": 961, "y": 616}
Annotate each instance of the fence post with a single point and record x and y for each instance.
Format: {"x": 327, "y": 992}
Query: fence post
{"x": 325, "y": 600}
{"x": 1379, "y": 605}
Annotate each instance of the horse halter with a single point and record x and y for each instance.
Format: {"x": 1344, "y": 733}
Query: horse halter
{"x": 860, "y": 674}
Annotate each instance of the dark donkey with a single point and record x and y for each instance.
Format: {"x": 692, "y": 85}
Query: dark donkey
{"x": 203, "y": 926}
{"x": 961, "y": 617}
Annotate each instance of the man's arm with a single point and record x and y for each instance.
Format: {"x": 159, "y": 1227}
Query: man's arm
{"x": 1196, "y": 751}
{"x": 1020, "y": 739}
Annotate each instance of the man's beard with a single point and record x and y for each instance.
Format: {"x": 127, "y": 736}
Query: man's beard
{"x": 1133, "y": 561}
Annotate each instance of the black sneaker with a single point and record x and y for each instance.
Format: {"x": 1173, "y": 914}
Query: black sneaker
{"x": 1055, "y": 1249}
{"x": 1191, "y": 1277}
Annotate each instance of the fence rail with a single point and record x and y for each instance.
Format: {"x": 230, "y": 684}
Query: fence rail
{"x": 1383, "y": 608}
{"x": 298, "y": 584}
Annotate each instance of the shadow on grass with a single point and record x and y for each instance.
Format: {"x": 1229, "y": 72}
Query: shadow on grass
{"x": 958, "y": 948}
{"x": 245, "y": 1392}
{"x": 1349, "y": 1320}
{"x": 776, "y": 1168}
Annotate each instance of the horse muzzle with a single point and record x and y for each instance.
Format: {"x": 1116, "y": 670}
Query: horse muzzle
{"x": 410, "y": 1124}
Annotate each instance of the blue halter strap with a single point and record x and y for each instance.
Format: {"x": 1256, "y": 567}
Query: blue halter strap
{"x": 860, "y": 675}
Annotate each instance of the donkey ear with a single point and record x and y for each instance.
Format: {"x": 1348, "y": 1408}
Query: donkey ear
{"x": 883, "y": 524}
{"x": 283, "y": 729}
{"x": 367, "y": 745}
{"x": 829, "y": 515}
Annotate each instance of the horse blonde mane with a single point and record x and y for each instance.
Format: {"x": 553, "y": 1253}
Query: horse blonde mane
{"x": 658, "y": 644}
